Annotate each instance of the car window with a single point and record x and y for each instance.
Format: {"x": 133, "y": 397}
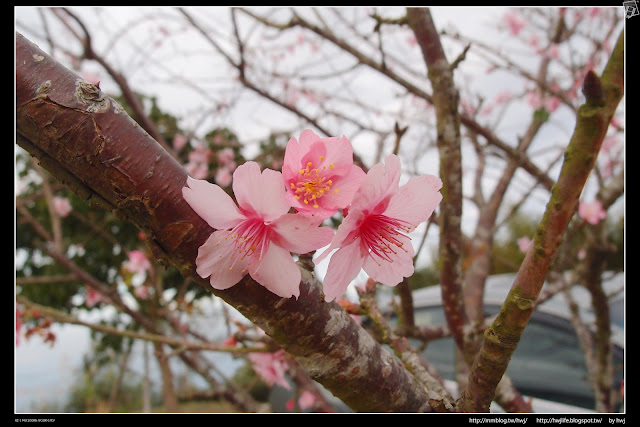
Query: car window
{"x": 548, "y": 363}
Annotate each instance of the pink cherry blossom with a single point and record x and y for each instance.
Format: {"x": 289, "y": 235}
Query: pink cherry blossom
{"x": 137, "y": 262}
{"x": 179, "y": 141}
{"x": 503, "y": 97}
{"x": 524, "y": 243}
{"x": 582, "y": 254}
{"x": 290, "y": 404}
{"x": 551, "y": 104}
{"x": 514, "y": 23}
{"x": 142, "y": 292}
{"x": 197, "y": 170}
{"x": 257, "y": 236}
{"x": 271, "y": 367}
{"x": 92, "y": 297}
{"x": 198, "y": 165}
{"x": 610, "y": 145}
{"x": 230, "y": 341}
{"x": 374, "y": 235}
{"x": 591, "y": 212}
{"x": 307, "y": 400}
{"x": 223, "y": 177}
{"x": 226, "y": 155}
{"x": 62, "y": 206}
{"x": 319, "y": 174}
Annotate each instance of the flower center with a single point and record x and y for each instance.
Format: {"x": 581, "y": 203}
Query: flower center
{"x": 312, "y": 184}
{"x": 381, "y": 235}
{"x": 250, "y": 238}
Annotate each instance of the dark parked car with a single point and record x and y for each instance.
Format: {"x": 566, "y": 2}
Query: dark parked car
{"x": 548, "y": 365}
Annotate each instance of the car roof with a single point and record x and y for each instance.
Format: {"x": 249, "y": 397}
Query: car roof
{"x": 497, "y": 287}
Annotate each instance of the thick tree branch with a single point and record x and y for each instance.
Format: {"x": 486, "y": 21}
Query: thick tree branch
{"x": 445, "y": 101}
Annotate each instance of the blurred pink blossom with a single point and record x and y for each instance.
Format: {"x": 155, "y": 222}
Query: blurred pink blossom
{"x": 223, "y": 177}
{"x": 62, "y": 206}
{"x": 551, "y": 104}
{"x": 592, "y": 212}
{"x": 582, "y": 254}
{"x": 609, "y": 144}
{"x": 230, "y": 341}
{"x": 142, "y": 292}
{"x": 226, "y": 156}
{"x": 271, "y": 367}
{"x": 307, "y": 400}
{"x": 92, "y": 297}
{"x": 533, "y": 99}
{"x": 137, "y": 263}
{"x": 503, "y": 97}
{"x": 553, "y": 51}
{"x": 514, "y": 23}
{"x": 179, "y": 141}
{"x": 198, "y": 165}
{"x": 524, "y": 243}
{"x": 290, "y": 404}
{"x": 197, "y": 170}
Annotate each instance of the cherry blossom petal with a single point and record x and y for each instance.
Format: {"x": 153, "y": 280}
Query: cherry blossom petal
{"x": 381, "y": 181}
{"x": 215, "y": 260}
{"x": 416, "y": 200}
{"x": 212, "y": 204}
{"x": 339, "y": 151}
{"x": 344, "y": 266}
{"x": 346, "y": 234}
{"x": 344, "y": 189}
{"x": 277, "y": 272}
{"x": 296, "y": 149}
{"x": 392, "y": 273}
{"x": 300, "y": 233}
{"x": 261, "y": 194}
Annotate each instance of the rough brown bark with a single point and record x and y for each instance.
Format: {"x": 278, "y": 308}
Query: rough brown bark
{"x": 86, "y": 140}
{"x": 445, "y": 102}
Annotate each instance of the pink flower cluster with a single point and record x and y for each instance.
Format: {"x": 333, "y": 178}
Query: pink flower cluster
{"x": 62, "y": 206}
{"x": 271, "y": 367}
{"x": 318, "y": 178}
{"x": 591, "y": 212}
{"x": 137, "y": 262}
{"x": 198, "y": 164}
{"x": 224, "y": 173}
